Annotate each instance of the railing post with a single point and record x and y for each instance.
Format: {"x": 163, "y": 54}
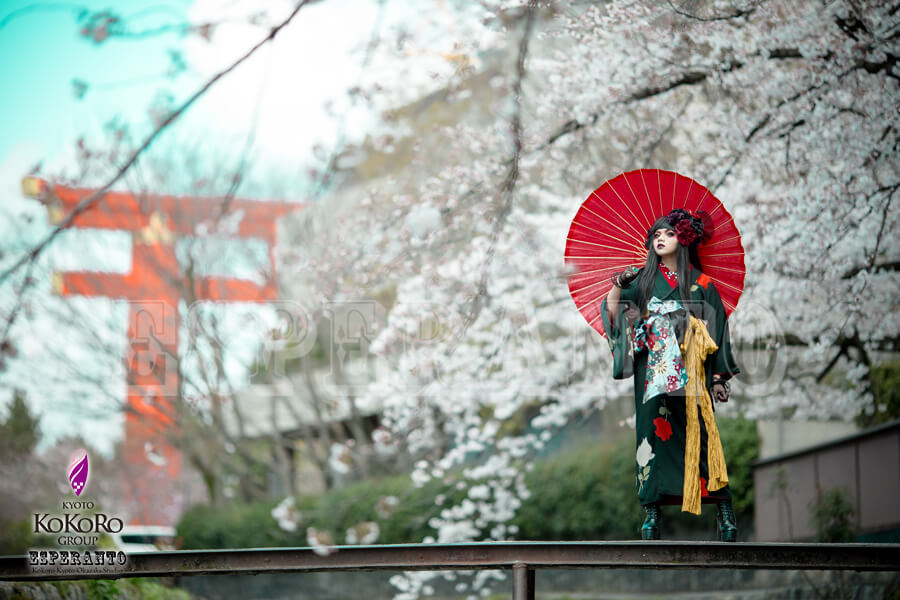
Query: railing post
{"x": 523, "y": 582}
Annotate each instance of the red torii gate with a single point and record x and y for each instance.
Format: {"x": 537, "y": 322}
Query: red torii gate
{"x": 154, "y": 286}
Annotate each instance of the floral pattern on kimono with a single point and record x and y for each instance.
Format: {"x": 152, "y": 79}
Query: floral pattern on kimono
{"x": 643, "y": 456}
{"x": 655, "y": 334}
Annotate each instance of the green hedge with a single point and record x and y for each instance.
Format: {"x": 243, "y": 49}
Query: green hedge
{"x": 251, "y": 525}
{"x": 740, "y": 440}
{"x": 583, "y": 494}
{"x": 885, "y": 380}
{"x": 232, "y": 526}
{"x": 16, "y": 537}
{"x": 586, "y": 493}
{"x": 95, "y": 589}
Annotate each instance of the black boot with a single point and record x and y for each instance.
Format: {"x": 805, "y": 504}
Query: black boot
{"x": 650, "y": 528}
{"x": 726, "y": 521}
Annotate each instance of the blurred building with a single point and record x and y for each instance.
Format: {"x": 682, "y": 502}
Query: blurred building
{"x": 315, "y": 419}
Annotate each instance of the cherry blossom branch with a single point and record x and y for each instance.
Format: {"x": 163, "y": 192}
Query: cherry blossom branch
{"x": 844, "y": 345}
{"x": 884, "y": 216}
{"x": 648, "y": 153}
{"x": 735, "y": 15}
{"x": 689, "y": 78}
{"x": 509, "y": 183}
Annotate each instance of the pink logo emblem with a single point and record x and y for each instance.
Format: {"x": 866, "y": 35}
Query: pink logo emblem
{"x": 78, "y": 471}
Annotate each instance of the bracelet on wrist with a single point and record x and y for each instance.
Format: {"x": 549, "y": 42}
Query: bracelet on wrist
{"x": 616, "y": 280}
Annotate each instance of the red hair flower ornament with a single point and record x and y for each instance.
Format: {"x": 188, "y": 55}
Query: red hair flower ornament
{"x": 685, "y": 232}
{"x": 689, "y": 229}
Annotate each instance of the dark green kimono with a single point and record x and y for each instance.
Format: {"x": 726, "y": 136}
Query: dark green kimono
{"x": 660, "y": 421}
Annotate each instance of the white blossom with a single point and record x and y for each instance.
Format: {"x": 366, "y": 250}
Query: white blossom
{"x": 321, "y": 542}
{"x": 364, "y": 533}
{"x": 644, "y": 453}
{"x": 287, "y": 515}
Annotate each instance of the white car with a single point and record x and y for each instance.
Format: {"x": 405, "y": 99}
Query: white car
{"x": 144, "y": 538}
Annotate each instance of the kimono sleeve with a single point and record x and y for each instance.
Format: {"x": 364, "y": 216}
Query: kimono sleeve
{"x": 619, "y": 334}
{"x": 721, "y": 361}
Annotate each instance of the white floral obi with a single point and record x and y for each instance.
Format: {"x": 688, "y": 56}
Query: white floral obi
{"x": 655, "y": 333}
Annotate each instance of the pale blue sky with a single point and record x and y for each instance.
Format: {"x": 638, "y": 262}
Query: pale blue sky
{"x": 43, "y": 52}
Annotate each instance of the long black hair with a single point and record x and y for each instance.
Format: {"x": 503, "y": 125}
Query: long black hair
{"x": 685, "y": 258}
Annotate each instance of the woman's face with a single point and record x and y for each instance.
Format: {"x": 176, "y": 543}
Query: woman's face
{"x": 664, "y": 242}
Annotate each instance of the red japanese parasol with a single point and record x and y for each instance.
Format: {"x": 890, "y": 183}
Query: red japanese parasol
{"x": 609, "y": 230}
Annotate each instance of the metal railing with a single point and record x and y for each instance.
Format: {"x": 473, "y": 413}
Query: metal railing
{"x": 522, "y": 558}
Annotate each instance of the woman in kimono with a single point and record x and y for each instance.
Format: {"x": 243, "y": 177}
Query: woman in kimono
{"x": 667, "y": 328}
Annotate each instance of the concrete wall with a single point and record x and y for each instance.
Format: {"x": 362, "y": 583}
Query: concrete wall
{"x": 866, "y": 466}
{"x": 783, "y": 437}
